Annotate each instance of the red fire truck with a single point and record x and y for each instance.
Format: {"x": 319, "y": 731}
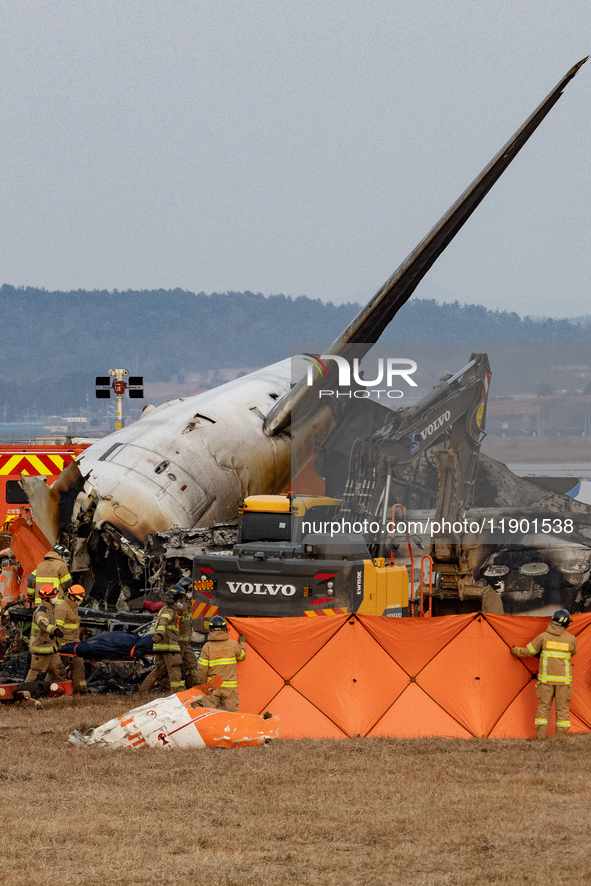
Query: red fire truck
{"x": 30, "y": 460}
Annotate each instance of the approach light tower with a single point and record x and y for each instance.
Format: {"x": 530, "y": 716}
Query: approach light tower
{"x": 135, "y": 386}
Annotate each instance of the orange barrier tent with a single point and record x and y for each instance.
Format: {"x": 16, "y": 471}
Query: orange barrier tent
{"x": 354, "y": 675}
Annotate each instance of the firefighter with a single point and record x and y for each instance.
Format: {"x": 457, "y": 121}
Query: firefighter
{"x": 51, "y": 570}
{"x": 68, "y": 620}
{"x": 31, "y": 589}
{"x": 219, "y": 656}
{"x": 189, "y": 659}
{"x": 555, "y": 647}
{"x": 44, "y": 636}
{"x": 166, "y": 643}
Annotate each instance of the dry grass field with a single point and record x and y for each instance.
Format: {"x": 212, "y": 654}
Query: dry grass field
{"x": 430, "y": 812}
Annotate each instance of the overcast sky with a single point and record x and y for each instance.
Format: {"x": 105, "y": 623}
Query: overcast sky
{"x": 295, "y": 146}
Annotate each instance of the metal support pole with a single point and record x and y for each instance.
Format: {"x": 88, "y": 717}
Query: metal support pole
{"x": 119, "y": 417}
{"x": 119, "y": 386}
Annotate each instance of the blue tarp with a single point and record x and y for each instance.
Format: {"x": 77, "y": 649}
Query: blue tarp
{"x": 113, "y": 644}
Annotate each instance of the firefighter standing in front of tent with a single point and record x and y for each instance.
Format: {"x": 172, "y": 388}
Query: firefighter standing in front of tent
{"x": 219, "y": 656}
{"x": 555, "y": 648}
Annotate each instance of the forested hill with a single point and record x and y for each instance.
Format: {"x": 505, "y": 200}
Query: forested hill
{"x": 168, "y": 332}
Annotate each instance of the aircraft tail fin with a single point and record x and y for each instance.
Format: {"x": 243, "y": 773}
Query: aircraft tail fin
{"x": 371, "y": 321}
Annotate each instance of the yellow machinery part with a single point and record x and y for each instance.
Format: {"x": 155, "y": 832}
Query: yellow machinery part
{"x": 298, "y": 505}
{"x": 384, "y": 587}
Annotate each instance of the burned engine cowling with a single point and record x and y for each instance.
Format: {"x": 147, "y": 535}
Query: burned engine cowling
{"x": 540, "y": 574}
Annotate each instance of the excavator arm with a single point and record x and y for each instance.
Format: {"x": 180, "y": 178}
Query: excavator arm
{"x": 451, "y": 419}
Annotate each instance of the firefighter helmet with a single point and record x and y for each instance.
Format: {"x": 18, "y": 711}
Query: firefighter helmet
{"x": 185, "y": 582}
{"x": 218, "y": 623}
{"x": 78, "y": 592}
{"x": 46, "y": 592}
{"x": 562, "y": 617}
{"x": 62, "y": 550}
{"x": 175, "y": 593}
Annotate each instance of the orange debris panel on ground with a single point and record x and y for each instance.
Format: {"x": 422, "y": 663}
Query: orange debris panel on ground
{"x": 369, "y": 675}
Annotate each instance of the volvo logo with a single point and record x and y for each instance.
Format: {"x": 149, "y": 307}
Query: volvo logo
{"x": 435, "y": 425}
{"x": 271, "y": 589}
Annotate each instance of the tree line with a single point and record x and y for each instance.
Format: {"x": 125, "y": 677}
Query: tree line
{"x": 54, "y": 343}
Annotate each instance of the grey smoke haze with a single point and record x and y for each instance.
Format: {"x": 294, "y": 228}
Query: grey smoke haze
{"x": 294, "y": 146}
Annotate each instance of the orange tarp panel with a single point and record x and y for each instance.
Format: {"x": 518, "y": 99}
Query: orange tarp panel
{"x": 412, "y": 643}
{"x": 298, "y": 718}
{"x": 288, "y": 643}
{"x": 452, "y": 676}
{"x": 581, "y": 703}
{"x": 518, "y": 719}
{"x": 415, "y": 715}
{"x": 258, "y": 682}
{"x": 474, "y": 677}
{"x": 356, "y": 693}
{"x": 518, "y": 630}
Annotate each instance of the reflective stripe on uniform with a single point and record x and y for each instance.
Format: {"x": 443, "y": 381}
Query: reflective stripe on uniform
{"x": 229, "y": 684}
{"x": 540, "y": 722}
{"x": 530, "y": 648}
{"x": 67, "y": 625}
{"x": 562, "y": 724}
{"x": 545, "y": 677}
{"x": 51, "y": 580}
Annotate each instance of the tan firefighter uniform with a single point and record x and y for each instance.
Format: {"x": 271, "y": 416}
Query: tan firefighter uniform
{"x": 555, "y": 648}
{"x": 219, "y": 656}
{"x": 68, "y": 621}
{"x": 43, "y": 645}
{"x": 51, "y": 571}
{"x": 167, "y": 659}
{"x": 188, "y": 657}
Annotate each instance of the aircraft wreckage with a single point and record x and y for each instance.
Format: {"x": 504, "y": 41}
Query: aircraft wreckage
{"x": 135, "y": 506}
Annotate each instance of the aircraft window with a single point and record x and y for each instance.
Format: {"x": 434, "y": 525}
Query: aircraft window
{"x": 160, "y": 468}
{"x": 15, "y": 494}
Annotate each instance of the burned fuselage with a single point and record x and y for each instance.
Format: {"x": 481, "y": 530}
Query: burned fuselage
{"x": 188, "y": 463}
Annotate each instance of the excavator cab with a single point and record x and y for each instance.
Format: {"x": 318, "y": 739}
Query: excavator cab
{"x": 280, "y": 518}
